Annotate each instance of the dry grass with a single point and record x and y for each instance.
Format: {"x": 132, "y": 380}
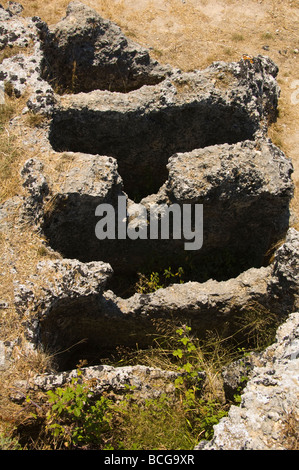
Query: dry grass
{"x": 11, "y": 150}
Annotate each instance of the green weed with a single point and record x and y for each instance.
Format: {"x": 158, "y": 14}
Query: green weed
{"x": 74, "y": 419}
{"x": 158, "y": 280}
{"x": 176, "y": 420}
{"x": 9, "y": 443}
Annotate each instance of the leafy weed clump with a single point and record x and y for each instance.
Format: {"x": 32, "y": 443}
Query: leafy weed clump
{"x": 73, "y": 417}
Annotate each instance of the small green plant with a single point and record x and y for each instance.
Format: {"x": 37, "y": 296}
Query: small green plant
{"x": 155, "y": 423}
{"x": 149, "y": 284}
{"x": 201, "y": 414}
{"x": 185, "y": 353}
{"x": 9, "y": 443}
{"x": 243, "y": 381}
{"x": 74, "y": 419}
{"x": 173, "y": 421}
{"x": 155, "y": 280}
{"x": 71, "y": 418}
{"x": 177, "y": 277}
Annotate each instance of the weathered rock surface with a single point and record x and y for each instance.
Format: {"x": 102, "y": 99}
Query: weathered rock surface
{"x": 275, "y": 287}
{"x": 84, "y": 52}
{"x": 245, "y": 190}
{"x": 69, "y": 214}
{"x": 269, "y": 401}
{"x": 144, "y": 128}
{"x": 37, "y": 189}
{"x": 117, "y": 142}
{"x": 22, "y": 71}
{"x": 12, "y": 32}
{"x": 147, "y": 382}
{"x": 56, "y": 284}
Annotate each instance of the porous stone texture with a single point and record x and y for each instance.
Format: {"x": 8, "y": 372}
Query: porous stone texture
{"x": 144, "y": 128}
{"x": 22, "y": 71}
{"x": 14, "y": 8}
{"x": 69, "y": 214}
{"x": 84, "y": 52}
{"x": 269, "y": 399}
{"x": 275, "y": 287}
{"x": 67, "y": 308}
{"x": 37, "y": 189}
{"x": 55, "y": 284}
{"x": 245, "y": 190}
{"x": 152, "y": 138}
{"x": 147, "y": 382}
{"x": 12, "y": 31}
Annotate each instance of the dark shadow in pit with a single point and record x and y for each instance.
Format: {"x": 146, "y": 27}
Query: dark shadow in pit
{"x": 142, "y": 143}
{"x": 110, "y": 77}
{"x": 237, "y": 232}
{"x": 75, "y": 67}
{"x": 82, "y": 330}
{"x": 236, "y": 236}
{"x": 92, "y": 330}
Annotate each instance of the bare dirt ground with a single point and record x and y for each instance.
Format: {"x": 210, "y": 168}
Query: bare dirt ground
{"x": 190, "y": 34}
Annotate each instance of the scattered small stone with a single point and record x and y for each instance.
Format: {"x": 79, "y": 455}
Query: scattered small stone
{"x": 15, "y": 8}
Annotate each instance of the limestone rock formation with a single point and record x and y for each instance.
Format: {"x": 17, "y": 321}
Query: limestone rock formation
{"x": 84, "y": 52}
{"x": 245, "y": 190}
{"x": 225, "y": 103}
{"x": 71, "y": 311}
{"x": 22, "y": 71}
{"x": 12, "y": 32}
{"x": 56, "y": 284}
{"x": 37, "y": 189}
{"x": 69, "y": 215}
